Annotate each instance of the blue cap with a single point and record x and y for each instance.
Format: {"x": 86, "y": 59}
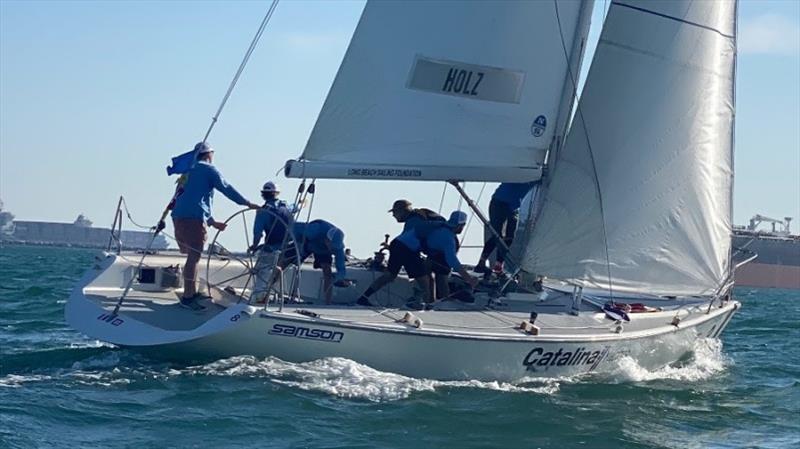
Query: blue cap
{"x": 457, "y": 218}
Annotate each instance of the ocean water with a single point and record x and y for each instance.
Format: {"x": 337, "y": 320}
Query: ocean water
{"x": 59, "y": 388}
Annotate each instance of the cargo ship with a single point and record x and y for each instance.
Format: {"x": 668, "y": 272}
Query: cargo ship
{"x": 79, "y": 233}
{"x": 776, "y": 252}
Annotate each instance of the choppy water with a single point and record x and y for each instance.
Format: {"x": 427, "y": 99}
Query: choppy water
{"x": 61, "y": 389}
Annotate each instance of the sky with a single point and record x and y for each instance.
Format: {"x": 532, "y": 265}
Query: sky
{"x": 96, "y": 97}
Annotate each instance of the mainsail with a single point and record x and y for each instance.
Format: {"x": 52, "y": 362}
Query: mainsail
{"x": 445, "y": 90}
{"x": 640, "y": 195}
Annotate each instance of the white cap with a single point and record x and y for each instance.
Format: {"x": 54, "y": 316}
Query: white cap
{"x": 203, "y": 147}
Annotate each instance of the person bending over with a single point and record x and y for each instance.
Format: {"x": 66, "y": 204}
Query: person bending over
{"x": 326, "y": 242}
{"x": 404, "y": 252}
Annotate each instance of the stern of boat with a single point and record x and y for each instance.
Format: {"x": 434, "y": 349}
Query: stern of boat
{"x": 149, "y": 315}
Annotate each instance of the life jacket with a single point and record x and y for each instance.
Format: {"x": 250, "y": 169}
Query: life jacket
{"x": 427, "y": 214}
{"x": 427, "y": 222}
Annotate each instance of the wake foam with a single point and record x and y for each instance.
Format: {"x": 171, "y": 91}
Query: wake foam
{"x": 348, "y": 379}
{"x": 105, "y": 360}
{"x": 707, "y": 360}
{"x": 345, "y": 378}
{"x": 16, "y": 380}
{"x": 90, "y": 344}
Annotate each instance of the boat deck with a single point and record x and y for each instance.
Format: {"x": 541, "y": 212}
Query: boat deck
{"x": 554, "y": 314}
{"x": 484, "y": 317}
{"x": 554, "y": 317}
{"x": 159, "y": 309}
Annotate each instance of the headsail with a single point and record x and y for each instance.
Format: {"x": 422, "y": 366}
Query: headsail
{"x": 446, "y": 90}
{"x": 640, "y": 193}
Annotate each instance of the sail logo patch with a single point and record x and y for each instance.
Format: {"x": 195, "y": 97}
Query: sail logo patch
{"x": 465, "y": 80}
{"x": 538, "y": 126}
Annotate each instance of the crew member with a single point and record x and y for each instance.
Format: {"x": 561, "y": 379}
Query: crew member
{"x": 503, "y": 218}
{"x": 326, "y": 242}
{"x": 404, "y": 251}
{"x": 441, "y": 245}
{"x": 272, "y": 220}
{"x": 192, "y": 212}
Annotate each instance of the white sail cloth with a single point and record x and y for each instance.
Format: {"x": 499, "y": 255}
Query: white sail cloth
{"x": 442, "y": 90}
{"x": 640, "y": 195}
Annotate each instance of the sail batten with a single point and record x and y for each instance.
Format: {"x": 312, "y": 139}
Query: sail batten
{"x": 436, "y": 87}
{"x": 639, "y": 198}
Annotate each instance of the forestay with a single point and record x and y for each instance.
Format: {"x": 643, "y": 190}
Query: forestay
{"x": 446, "y": 91}
{"x": 641, "y": 192}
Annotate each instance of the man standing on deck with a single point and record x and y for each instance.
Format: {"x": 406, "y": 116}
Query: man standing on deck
{"x": 272, "y": 221}
{"x": 192, "y": 212}
{"x": 503, "y": 218}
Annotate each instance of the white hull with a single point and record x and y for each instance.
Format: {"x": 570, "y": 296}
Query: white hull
{"x": 455, "y": 341}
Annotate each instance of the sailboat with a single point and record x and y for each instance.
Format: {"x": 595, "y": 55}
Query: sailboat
{"x": 631, "y": 231}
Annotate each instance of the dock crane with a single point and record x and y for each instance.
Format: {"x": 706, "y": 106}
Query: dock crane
{"x": 758, "y": 219}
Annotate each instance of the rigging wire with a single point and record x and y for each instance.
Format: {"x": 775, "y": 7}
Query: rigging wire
{"x": 239, "y": 71}
{"x": 579, "y": 113}
{"x": 128, "y": 213}
{"x": 441, "y": 202}
{"x": 471, "y": 216}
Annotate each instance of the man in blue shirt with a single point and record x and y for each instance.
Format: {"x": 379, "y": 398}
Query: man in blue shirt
{"x": 441, "y": 245}
{"x": 192, "y": 212}
{"x": 404, "y": 252}
{"x": 272, "y": 223}
{"x": 503, "y": 218}
{"x": 272, "y": 220}
{"x": 326, "y": 242}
